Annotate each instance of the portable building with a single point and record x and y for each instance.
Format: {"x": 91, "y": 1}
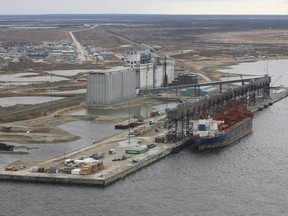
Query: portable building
{"x": 34, "y": 169}
{"x": 75, "y": 171}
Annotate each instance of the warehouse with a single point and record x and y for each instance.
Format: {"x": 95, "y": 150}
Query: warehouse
{"x": 111, "y": 86}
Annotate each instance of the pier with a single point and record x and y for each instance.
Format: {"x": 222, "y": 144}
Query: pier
{"x": 115, "y": 170}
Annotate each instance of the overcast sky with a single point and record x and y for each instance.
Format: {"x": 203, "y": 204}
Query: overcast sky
{"x": 143, "y": 7}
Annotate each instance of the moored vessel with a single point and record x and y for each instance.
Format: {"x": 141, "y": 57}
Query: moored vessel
{"x": 232, "y": 123}
{"x": 6, "y": 147}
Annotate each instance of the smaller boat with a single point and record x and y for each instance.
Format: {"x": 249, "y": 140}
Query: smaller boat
{"x": 6, "y": 147}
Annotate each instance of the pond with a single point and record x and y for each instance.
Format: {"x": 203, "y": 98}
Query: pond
{"x": 11, "y": 101}
{"x": 142, "y": 110}
{"x": 29, "y": 78}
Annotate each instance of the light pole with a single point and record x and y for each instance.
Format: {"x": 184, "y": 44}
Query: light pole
{"x": 51, "y": 86}
{"x": 129, "y": 123}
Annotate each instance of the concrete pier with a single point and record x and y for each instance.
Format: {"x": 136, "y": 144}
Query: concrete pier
{"x": 114, "y": 170}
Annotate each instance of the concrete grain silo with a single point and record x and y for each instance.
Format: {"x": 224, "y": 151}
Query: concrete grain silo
{"x": 159, "y": 71}
{"x": 111, "y": 86}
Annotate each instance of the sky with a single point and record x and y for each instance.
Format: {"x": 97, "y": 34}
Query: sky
{"x": 12, "y": 7}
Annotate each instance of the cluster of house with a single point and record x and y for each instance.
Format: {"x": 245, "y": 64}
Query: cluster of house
{"x": 53, "y": 52}
{"x": 98, "y": 53}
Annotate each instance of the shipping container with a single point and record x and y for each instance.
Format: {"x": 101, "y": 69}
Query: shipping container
{"x": 89, "y": 169}
{"x": 53, "y": 170}
{"x": 67, "y": 170}
{"x": 10, "y": 169}
{"x": 136, "y": 150}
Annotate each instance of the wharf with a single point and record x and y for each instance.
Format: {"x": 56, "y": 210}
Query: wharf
{"x": 114, "y": 170}
{"x": 275, "y": 95}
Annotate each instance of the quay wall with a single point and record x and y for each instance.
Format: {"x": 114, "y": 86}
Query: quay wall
{"x": 138, "y": 166}
{"x": 83, "y": 180}
{"x": 67, "y": 180}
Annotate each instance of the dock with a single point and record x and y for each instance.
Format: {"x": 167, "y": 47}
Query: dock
{"x": 114, "y": 169}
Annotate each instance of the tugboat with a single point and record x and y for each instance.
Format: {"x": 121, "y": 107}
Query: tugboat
{"x": 6, "y": 147}
{"x": 232, "y": 123}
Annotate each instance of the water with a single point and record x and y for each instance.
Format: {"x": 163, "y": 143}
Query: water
{"x": 29, "y": 78}
{"x": 247, "y": 178}
{"x": 69, "y": 73}
{"x": 11, "y": 101}
{"x": 88, "y": 131}
{"x": 142, "y": 110}
{"x": 277, "y": 69}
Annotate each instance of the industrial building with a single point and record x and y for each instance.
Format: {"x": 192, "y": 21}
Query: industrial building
{"x": 135, "y": 58}
{"x": 119, "y": 84}
{"x": 111, "y": 86}
{"x": 150, "y": 73}
{"x": 185, "y": 79}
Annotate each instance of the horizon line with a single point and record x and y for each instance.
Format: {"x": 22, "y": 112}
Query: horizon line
{"x": 147, "y": 14}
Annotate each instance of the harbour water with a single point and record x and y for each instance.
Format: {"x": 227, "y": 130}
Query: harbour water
{"x": 247, "y": 178}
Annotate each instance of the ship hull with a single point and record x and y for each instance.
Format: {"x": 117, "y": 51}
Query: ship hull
{"x": 229, "y": 135}
{"x": 5, "y": 147}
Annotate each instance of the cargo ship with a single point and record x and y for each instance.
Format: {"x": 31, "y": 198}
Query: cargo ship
{"x": 6, "y": 147}
{"x": 232, "y": 123}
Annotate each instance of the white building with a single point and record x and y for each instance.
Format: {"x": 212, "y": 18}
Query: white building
{"x": 150, "y": 73}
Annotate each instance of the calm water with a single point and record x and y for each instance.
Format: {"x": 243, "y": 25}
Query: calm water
{"x": 11, "y": 101}
{"x": 277, "y": 69}
{"x": 30, "y": 78}
{"x": 88, "y": 131}
{"x": 248, "y": 178}
{"x": 143, "y": 110}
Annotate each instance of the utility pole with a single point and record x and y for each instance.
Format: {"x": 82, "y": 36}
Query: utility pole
{"x": 129, "y": 123}
{"x": 165, "y": 81}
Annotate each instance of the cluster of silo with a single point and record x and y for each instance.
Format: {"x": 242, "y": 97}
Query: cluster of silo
{"x": 111, "y": 86}
{"x": 141, "y": 72}
{"x": 152, "y": 75}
